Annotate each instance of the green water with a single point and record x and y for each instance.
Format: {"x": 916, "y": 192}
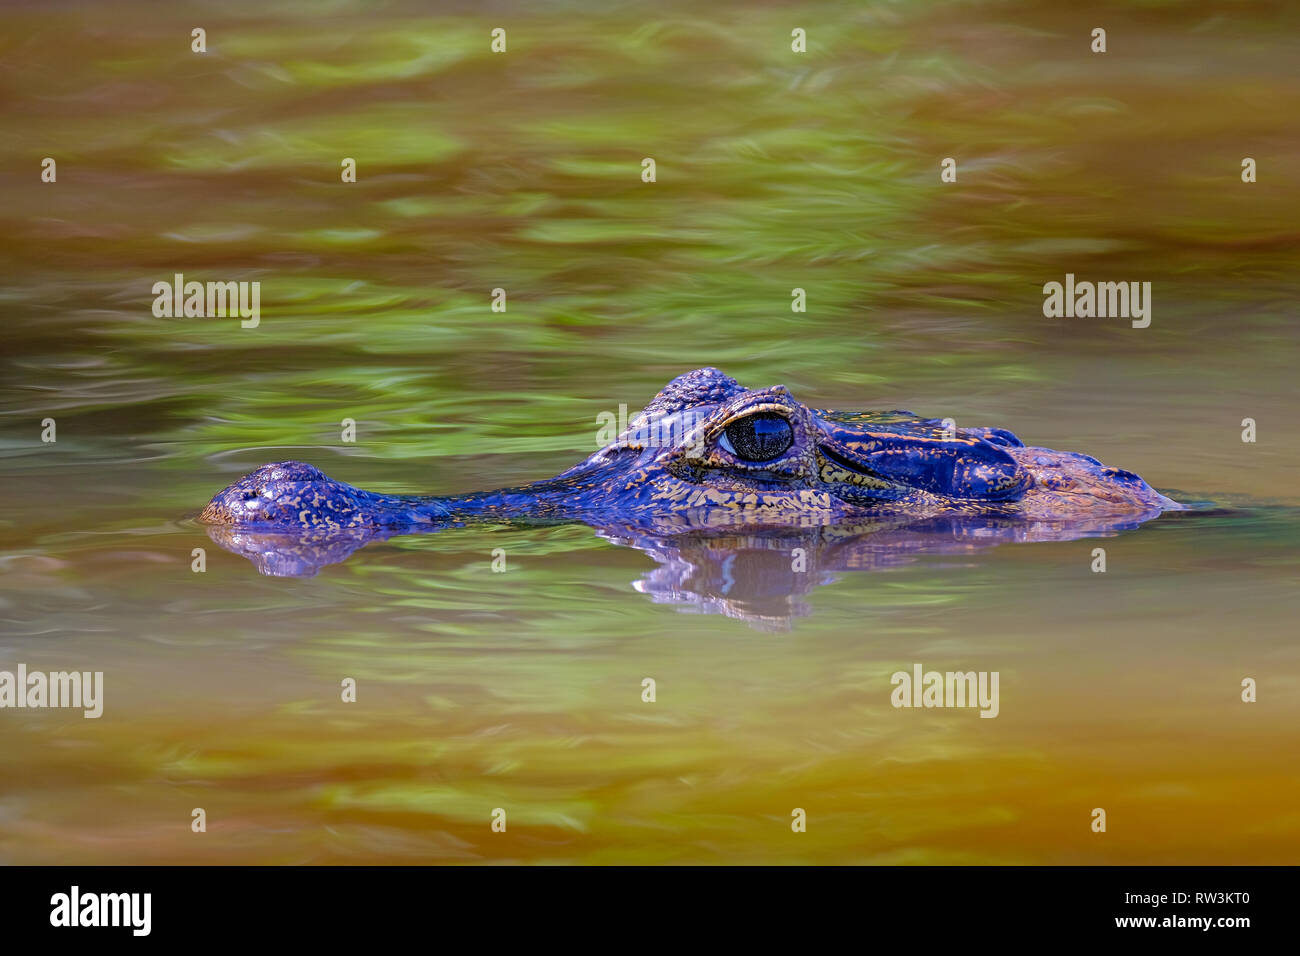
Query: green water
{"x": 522, "y": 171}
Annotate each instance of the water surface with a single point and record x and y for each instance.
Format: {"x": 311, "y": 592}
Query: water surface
{"x": 522, "y": 690}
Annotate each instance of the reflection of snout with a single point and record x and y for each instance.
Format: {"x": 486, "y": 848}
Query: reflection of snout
{"x": 285, "y": 555}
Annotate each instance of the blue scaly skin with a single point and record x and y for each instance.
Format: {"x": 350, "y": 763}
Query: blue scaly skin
{"x": 707, "y": 453}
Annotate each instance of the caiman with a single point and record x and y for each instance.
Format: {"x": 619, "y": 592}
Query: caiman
{"x": 708, "y": 453}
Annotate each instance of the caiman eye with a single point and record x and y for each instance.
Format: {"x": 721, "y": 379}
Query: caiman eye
{"x": 759, "y": 437}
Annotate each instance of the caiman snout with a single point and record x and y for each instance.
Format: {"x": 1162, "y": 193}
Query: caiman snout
{"x": 286, "y": 493}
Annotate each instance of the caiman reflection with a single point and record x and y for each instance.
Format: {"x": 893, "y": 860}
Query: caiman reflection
{"x": 711, "y": 475}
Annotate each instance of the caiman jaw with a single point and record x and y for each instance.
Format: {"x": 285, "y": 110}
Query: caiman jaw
{"x": 840, "y": 472}
{"x": 889, "y": 465}
{"x": 857, "y": 462}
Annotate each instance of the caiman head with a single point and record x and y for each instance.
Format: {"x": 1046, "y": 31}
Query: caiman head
{"x": 708, "y": 452}
{"x": 707, "y": 444}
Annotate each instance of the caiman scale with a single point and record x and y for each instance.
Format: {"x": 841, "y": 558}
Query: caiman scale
{"x": 710, "y": 453}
